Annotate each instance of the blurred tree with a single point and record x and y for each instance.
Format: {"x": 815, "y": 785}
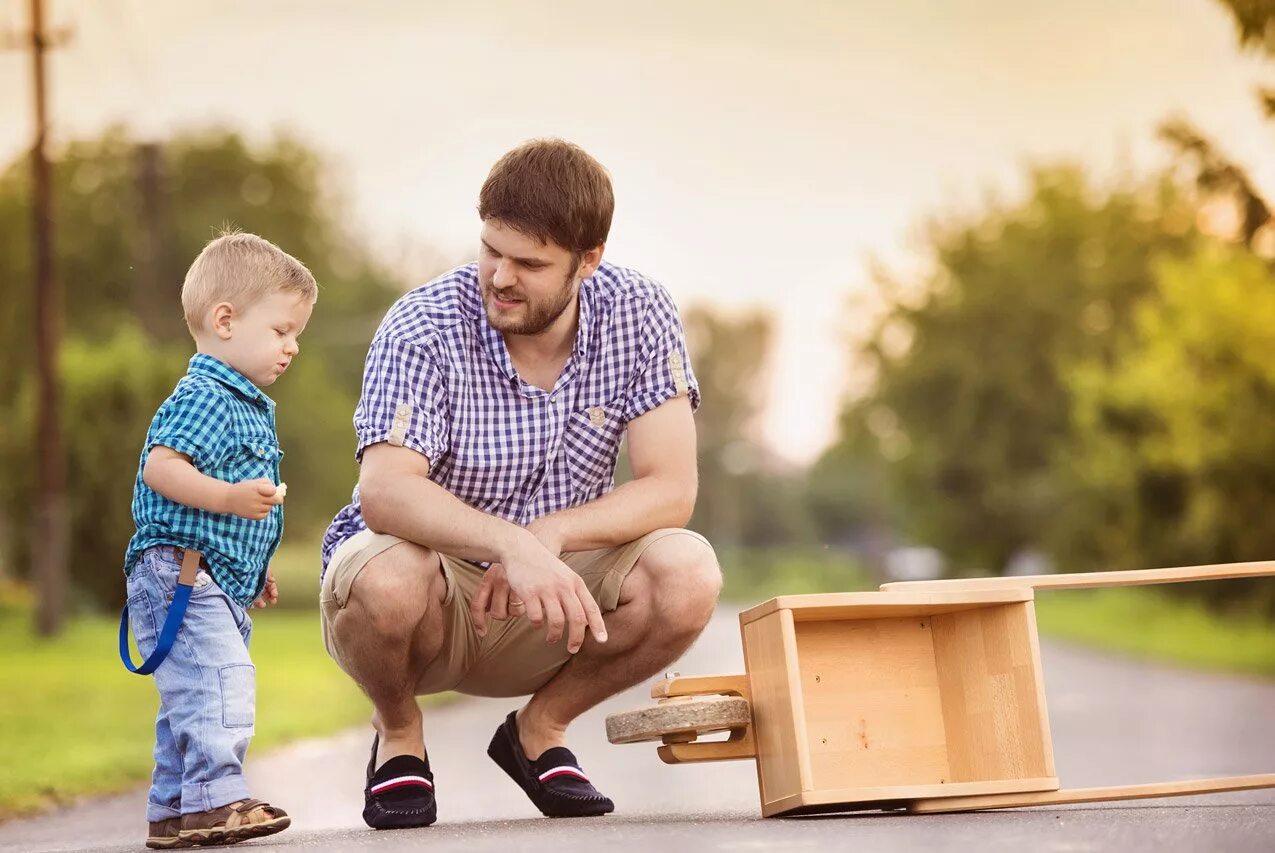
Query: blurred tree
{"x": 1174, "y": 454}
{"x": 1218, "y": 176}
{"x": 970, "y": 409}
{"x": 131, "y": 219}
{"x": 745, "y": 499}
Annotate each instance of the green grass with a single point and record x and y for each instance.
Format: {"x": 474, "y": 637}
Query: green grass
{"x": 1151, "y": 624}
{"x": 73, "y": 722}
{"x": 751, "y": 577}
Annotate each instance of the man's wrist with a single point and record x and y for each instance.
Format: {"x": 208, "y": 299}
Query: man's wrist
{"x": 514, "y": 540}
{"x": 551, "y": 531}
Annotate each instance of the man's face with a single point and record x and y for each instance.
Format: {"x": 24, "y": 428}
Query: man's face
{"x": 526, "y": 284}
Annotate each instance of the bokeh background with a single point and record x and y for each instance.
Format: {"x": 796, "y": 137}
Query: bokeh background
{"x": 971, "y": 287}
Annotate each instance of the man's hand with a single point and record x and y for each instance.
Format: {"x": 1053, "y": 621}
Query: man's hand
{"x": 252, "y": 499}
{"x": 492, "y": 600}
{"x": 269, "y": 595}
{"x": 550, "y": 592}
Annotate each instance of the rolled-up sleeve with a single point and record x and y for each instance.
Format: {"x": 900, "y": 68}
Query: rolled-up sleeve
{"x": 403, "y": 401}
{"x": 664, "y": 362}
{"x": 195, "y": 422}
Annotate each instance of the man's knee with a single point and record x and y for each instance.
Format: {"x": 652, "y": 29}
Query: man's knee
{"x": 683, "y": 572}
{"x": 393, "y": 592}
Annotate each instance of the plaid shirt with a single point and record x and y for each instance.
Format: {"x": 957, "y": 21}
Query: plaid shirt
{"x": 439, "y": 379}
{"x": 226, "y": 425}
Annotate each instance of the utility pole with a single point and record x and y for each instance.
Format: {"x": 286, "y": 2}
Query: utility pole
{"x": 49, "y": 542}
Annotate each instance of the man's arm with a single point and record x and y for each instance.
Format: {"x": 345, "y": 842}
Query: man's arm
{"x": 397, "y": 498}
{"x": 662, "y": 492}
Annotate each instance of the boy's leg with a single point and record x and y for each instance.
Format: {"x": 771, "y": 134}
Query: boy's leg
{"x": 165, "y": 800}
{"x": 208, "y": 685}
{"x": 146, "y": 609}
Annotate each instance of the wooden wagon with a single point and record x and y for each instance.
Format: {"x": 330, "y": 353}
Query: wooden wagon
{"x": 924, "y": 695}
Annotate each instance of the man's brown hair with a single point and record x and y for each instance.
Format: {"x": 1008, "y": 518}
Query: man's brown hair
{"x": 553, "y": 191}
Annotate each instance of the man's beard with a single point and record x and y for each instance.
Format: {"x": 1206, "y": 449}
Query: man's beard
{"x": 539, "y": 316}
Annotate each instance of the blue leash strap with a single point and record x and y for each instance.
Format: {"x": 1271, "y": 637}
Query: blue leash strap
{"x": 172, "y": 622}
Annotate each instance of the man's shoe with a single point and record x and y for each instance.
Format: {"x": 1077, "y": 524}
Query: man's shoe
{"x": 400, "y": 794}
{"x": 554, "y": 782}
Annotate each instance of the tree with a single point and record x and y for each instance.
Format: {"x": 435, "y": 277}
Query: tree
{"x": 122, "y": 282}
{"x": 1175, "y": 455}
{"x": 970, "y": 407}
{"x": 744, "y": 500}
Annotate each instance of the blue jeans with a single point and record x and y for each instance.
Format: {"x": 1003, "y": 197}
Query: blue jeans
{"x": 207, "y": 689}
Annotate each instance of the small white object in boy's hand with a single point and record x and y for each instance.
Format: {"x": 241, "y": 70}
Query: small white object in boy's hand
{"x": 281, "y": 491}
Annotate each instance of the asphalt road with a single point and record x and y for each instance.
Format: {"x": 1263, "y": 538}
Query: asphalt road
{"x": 1114, "y": 721}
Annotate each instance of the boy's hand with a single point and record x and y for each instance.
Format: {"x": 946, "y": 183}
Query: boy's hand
{"x": 252, "y": 499}
{"x": 269, "y": 595}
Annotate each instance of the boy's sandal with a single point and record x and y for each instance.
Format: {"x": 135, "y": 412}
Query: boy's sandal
{"x": 165, "y": 834}
{"x": 233, "y": 823}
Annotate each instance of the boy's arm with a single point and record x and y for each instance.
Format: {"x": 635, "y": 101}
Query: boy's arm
{"x": 172, "y": 475}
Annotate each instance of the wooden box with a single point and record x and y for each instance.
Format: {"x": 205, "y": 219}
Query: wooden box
{"x": 866, "y": 698}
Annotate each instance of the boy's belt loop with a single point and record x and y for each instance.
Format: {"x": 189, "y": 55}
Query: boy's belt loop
{"x": 172, "y": 622}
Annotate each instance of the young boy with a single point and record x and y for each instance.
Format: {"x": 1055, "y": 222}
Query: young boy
{"x": 208, "y": 480}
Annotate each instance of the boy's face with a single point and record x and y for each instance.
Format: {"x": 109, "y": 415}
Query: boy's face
{"x": 261, "y": 341}
{"x": 526, "y": 284}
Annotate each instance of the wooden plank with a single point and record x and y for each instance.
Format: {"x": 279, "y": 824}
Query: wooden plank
{"x": 878, "y": 605}
{"x": 1094, "y": 795}
{"x": 770, "y": 657}
{"x": 1089, "y": 580}
{"x": 990, "y": 694}
{"x": 717, "y": 750}
{"x": 872, "y": 796}
{"x": 698, "y": 685}
{"x": 871, "y": 693}
{"x": 1042, "y": 704}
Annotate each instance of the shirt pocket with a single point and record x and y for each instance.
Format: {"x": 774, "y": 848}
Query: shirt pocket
{"x": 591, "y": 444}
{"x": 256, "y": 456}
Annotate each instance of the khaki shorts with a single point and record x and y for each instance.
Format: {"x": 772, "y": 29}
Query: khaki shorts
{"x": 513, "y": 659}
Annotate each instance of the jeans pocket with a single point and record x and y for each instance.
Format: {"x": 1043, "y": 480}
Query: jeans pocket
{"x": 141, "y": 618}
{"x": 238, "y": 695}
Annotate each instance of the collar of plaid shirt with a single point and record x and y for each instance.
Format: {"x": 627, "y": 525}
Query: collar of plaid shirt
{"x": 202, "y": 364}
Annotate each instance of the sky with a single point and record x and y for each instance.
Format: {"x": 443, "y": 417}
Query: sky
{"x": 765, "y": 155}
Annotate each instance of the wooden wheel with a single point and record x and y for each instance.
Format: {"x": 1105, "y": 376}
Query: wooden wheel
{"x": 680, "y": 719}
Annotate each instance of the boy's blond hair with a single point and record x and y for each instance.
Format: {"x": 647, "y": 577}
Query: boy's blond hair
{"x": 240, "y": 269}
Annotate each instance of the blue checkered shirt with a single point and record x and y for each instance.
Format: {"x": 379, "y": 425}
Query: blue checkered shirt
{"x": 439, "y": 380}
{"x": 226, "y": 425}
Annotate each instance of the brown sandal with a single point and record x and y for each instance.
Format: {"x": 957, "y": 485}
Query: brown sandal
{"x": 165, "y": 834}
{"x": 233, "y": 823}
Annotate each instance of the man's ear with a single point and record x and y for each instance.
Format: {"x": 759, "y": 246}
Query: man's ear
{"x": 223, "y": 313}
{"x": 589, "y": 261}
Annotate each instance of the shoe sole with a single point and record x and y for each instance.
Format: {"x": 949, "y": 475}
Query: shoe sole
{"x": 384, "y": 819}
{"x": 210, "y": 837}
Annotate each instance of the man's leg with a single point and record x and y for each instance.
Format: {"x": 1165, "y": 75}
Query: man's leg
{"x": 665, "y": 602}
{"x": 389, "y": 631}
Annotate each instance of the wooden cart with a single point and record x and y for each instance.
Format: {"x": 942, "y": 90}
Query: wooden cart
{"x": 925, "y": 695}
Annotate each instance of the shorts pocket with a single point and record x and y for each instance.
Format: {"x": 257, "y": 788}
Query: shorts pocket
{"x": 238, "y": 695}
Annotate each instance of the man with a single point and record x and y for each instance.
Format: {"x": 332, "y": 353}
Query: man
{"x": 487, "y": 549}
